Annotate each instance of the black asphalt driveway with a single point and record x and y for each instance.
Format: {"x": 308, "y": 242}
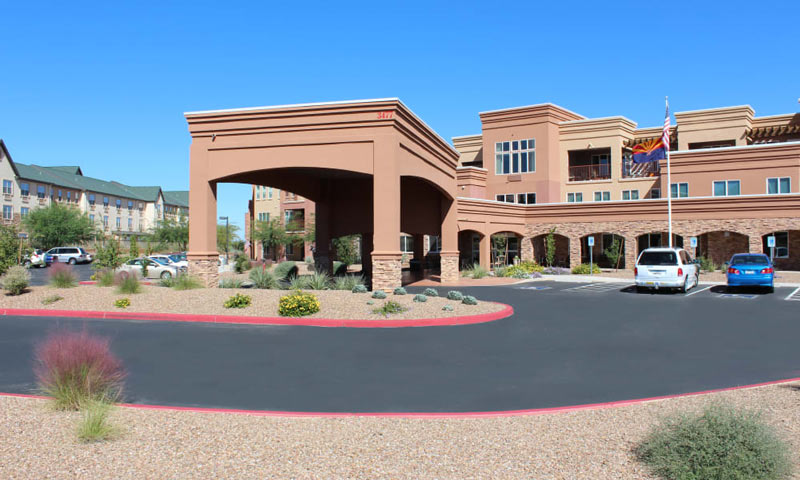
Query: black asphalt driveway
{"x": 566, "y": 344}
{"x": 40, "y": 276}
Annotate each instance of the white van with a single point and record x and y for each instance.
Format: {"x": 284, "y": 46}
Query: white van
{"x": 666, "y": 268}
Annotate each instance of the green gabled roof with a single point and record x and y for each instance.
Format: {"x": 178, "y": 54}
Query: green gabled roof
{"x": 144, "y": 193}
{"x": 39, "y": 174}
{"x": 71, "y": 169}
{"x": 177, "y": 197}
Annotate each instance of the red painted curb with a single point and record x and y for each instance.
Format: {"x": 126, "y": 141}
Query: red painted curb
{"x": 309, "y": 322}
{"x": 93, "y": 282}
{"x": 503, "y": 413}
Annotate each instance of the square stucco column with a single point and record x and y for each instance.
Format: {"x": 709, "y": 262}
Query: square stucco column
{"x": 202, "y": 257}
{"x": 526, "y": 248}
{"x": 322, "y": 233}
{"x": 449, "y": 253}
{"x": 630, "y": 253}
{"x": 485, "y": 246}
{"x": 386, "y": 255}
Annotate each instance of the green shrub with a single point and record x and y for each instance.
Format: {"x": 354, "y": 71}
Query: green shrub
{"x": 476, "y": 271}
{"x": 16, "y": 280}
{"x": 297, "y": 282}
{"x": 94, "y": 426}
{"x": 370, "y": 302}
{"x": 122, "y": 303}
{"x": 309, "y": 260}
{"x": 361, "y": 288}
{"x": 447, "y": 308}
{"x": 62, "y": 276}
{"x": 319, "y": 281}
{"x": 186, "y": 282}
{"x": 430, "y": 292}
{"x": 501, "y": 271}
{"x": 263, "y": 278}
{"x": 129, "y": 284}
{"x": 469, "y": 300}
{"x": 583, "y": 269}
{"x": 707, "y": 265}
{"x": 389, "y": 308}
{"x": 420, "y": 298}
{"x": 455, "y": 295}
{"x": 339, "y": 268}
{"x": 51, "y": 299}
{"x": 238, "y": 301}
{"x": 167, "y": 282}
{"x": 229, "y": 283}
{"x": 241, "y": 263}
{"x": 522, "y": 269}
{"x": 399, "y": 291}
{"x": 348, "y": 282}
{"x": 298, "y": 304}
{"x": 105, "y": 278}
{"x": 379, "y": 294}
{"x": 285, "y": 270}
{"x": 720, "y": 443}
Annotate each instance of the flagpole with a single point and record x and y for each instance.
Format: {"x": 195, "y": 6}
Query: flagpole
{"x": 669, "y": 184}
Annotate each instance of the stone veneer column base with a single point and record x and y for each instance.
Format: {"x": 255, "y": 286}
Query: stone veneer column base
{"x": 387, "y": 271}
{"x": 449, "y": 267}
{"x": 206, "y": 268}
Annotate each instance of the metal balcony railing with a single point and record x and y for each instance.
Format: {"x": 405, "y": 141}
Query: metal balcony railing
{"x": 585, "y": 173}
{"x": 640, "y": 170}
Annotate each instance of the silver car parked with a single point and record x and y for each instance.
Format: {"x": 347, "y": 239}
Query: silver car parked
{"x": 71, "y": 255}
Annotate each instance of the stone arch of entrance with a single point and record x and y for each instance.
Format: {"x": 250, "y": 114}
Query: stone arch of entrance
{"x": 720, "y": 245}
{"x": 372, "y": 167}
{"x": 602, "y": 242}
{"x": 560, "y": 253}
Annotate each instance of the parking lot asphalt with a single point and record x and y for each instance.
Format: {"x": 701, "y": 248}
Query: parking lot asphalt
{"x": 39, "y": 276}
{"x": 566, "y": 344}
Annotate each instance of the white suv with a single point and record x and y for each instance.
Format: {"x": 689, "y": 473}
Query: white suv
{"x": 666, "y": 268}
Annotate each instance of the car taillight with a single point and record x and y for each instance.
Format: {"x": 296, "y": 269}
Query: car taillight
{"x": 680, "y": 272}
{"x": 733, "y": 271}
{"x": 635, "y": 271}
{"x": 766, "y": 270}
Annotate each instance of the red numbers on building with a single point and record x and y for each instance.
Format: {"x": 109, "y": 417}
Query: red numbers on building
{"x": 389, "y": 114}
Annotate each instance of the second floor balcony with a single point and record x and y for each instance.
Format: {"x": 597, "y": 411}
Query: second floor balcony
{"x": 587, "y": 173}
{"x": 639, "y": 170}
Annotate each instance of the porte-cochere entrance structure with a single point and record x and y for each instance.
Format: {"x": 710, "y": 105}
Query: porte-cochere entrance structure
{"x": 373, "y": 168}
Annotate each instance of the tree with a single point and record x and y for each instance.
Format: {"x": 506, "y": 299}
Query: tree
{"x": 550, "y": 247}
{"x": 229, "y": 234}
{"x": 9, "y": 247}
{"x": 56, "y": 225}
{"x": 172, "y": 232}
{"x": 109, "y": 255}
{"x": 614, "y": 252}
{"x": 500, "y": 249}
{"x": 271, "y": 234}
{"x": 346, "y": 251}
{"x": 134, "y": 247}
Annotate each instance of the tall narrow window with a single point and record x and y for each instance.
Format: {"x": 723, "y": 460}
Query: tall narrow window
{"x": 679, "y": 190}
{"x": 8, "y": 187}
{"x": 517, "y": 156}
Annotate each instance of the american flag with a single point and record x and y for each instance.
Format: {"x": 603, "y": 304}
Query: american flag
{"x": 665, "y": 133}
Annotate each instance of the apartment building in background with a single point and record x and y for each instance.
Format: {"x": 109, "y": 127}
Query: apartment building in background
{"x": 117, "y": 209}
{"x": 293, "y": 211}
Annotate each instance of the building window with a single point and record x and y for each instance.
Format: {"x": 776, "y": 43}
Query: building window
{"x": 24, "y": 189}
{"x": 269, "y": 193}
{"x": 507, "y": 197}
{"x": 130, "y": 224}
{"x": 679, "y": 190}
{"x": 91, "y": 199}
{"x": 8, "y": 187}
{"x": 779, "y": 185}
{"x": 130, "y": 205}
{"x": 69, "y": 196}
{"x": 289, "y": 249}
{"x": 602, "y": 196}
{"x": 105, "y": 202}
{"x": 105, "y": 221}
{"x": 141, "y": 206}
{"x": 726, "y": 188}
{"x": 655, "y": 193}
{"x": 7, "y": 212}
{"x": 118, "y": 222}
{"x": 630, "y": 194}
{"x": 517, "y": 156}
{"x": 91, "y": 217}
{"x": 781, "y": 244}
{"x": 526, "y": 198}
{"x": 119, "y": 203}
{"x": 434, "y": 243}
{"x": 258, "y": 192}
{"x": 41, "y": 192}
{"x": 59, "y": 195}
{"x": 575, "y": 197}
{"x": 406, "y": 244}
{"x": 24, "y": 211}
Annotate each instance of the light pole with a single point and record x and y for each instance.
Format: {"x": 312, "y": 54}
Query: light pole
{"x": 227, "y": 236}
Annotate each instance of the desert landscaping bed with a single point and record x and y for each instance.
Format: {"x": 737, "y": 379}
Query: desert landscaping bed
{"x": 37, "y": 442}
{"x": 334, "y": 304}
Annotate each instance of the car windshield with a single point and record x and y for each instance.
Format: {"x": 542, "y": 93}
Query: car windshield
{"x": 160, "y": 260}
{"x": 749, "y": 259}
{"x": 175, "y": 258}
{"x": 658, "y": 258}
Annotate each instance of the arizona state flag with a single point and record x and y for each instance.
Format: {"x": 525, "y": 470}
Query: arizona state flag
{"x": 649, "y": 151}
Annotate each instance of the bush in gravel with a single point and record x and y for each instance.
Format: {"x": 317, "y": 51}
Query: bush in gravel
{"x": 370, "y": 302}
{"x": 94, "y": 426}
{"x": 297, "y": 282}
{"x": 62, "y": 276}
{"x": 500, "y": 271}
{"x": 476, "y": 271}
{"x": 105, "y": 278}
{"x": 455, "y": 295}
{"x": 347, "y": 282}
{"x": 583, "y": 269}
{"x": 186, "y": 282}
{"x": 339, "y": 268}
{"x": 241, "y": 263}
{"x": 16, "y": 280}
{"x": 379, "y": 294}
{"x": 128, "y": 284}
{"x": 399, "y": 291}
{"x": 720, "y": 443}
{"x": 319, "y": 281}
{"x": 359, "y": 289}
{"x": 229, "y": 283}
{"x": 469, "y": 300}
{"x": 389, "y": 308}
{"x": 74, "y": 368}
{"x": 263, "y": 278}
{"x": 420, "y": 298}
{"x": 430, "y": 292}
{"x": 447, "y": 308}
{"x": 238, "y": 301}
{"x": 298, "y": 304}
{"x": 122, "y": 302}
{"x": 51, "y": 299}
{"x": 167, "y": 282}
{"x": 285, "y": 270}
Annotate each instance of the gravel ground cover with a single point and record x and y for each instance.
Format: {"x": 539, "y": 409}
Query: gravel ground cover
{"x": 37, "y": 442}
{"x": 334, "y": 304}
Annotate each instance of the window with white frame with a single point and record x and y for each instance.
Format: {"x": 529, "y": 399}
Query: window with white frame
{"x": 59, "y": 194}
{"x": 269, "y": 193}
{"x": 91, "y": 199}
{"x": 91, "y": 217}
{"x": 130, "y": 224}
{"x": 69, "y": 196}
{"x": 263, "y": 216}
{"x": 505, "y": 197}
{"x": 434, "y": 243}
{"x": 24, "y": 189}
{"x": 526, "y": 198}
{"x": 515, "y": 156}
{"x": 655, "y": 193}
{"x": 630, "y": 194}
{"x": 602, "y": 196}
{"x": 130, "y": 205}
{"x": 119, "y": 203}
{"x": 105, "y": 201}
{"x": 105, "y": 221}
{"x": 406, "y": 244}
{"x": 41, "y": 191}
{"x": 679, "y": 190}
{"x": 777, "y": 185}
{"x": 8, "y": 187}
{"x": 726, "y": 188}
{"x": 576, "y": 197}
{"x": 118, "y": 223}
{"x": 24, "y": 211}
{"x": 289, "y": 248}
{"x": 8, "y": 213}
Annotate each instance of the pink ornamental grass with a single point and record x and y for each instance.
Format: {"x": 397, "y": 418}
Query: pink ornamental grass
{"x": 74, "y": 368}
{"x": 62, "y": 276}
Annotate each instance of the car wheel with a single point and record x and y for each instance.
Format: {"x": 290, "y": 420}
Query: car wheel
{"x": 166, "y": 275}
{"x": 72, "y": 261}
{"x": 685, "y": 287}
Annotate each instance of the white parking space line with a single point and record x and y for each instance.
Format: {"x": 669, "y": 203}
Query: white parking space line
{"x": 698, "y": 291}
{"x": 794, "y": 296}
{"x": 598, "y": 287}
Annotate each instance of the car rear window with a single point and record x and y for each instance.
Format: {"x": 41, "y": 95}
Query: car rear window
{"x": 749, "y": 259}
{"x": 658, "y": 258}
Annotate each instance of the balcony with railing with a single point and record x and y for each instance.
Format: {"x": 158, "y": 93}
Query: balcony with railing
{"x": 639, "y": 170}
{"x": 589, "y": 165}
{"x": 588, "y": 173}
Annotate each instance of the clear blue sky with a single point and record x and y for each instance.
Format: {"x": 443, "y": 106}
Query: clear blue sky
{"x": 105, "y": 86}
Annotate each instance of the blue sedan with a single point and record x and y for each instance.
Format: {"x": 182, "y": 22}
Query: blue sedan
{"x": 751, "y": 270}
